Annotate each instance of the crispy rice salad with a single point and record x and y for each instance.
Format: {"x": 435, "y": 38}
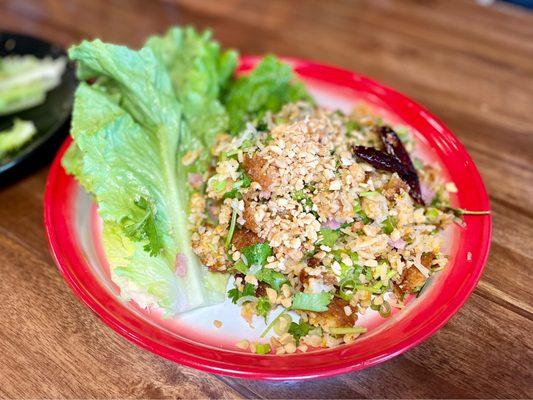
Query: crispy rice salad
{"x": 315, "y": 212}
{"x": 316, "y": 215}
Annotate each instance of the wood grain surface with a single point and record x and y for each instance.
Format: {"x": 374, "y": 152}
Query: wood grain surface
{"x": 471, "y": 65}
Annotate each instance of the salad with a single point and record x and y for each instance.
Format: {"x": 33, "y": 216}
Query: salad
{"x": 201, "y": 176}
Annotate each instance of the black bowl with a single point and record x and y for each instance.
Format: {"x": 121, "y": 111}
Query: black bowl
{"x": 51, "y": 118}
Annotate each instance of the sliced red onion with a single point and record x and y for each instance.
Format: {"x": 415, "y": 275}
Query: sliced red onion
{"x": 331, "y": 223}
{"x": 211, "y": 212}
{"x": 265, "y": 194}
{"x": 245, "y": 299}
{"x": 427, "y": 193}
{"x": 195, "y": 180}
{"x": 181, "y": 265}
{"x": 398, "y": 244}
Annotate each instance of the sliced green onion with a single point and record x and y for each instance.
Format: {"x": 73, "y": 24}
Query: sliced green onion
{"x": 268, "y": 139}
{"x": 347, "y": 330}
{"x": 233, "y": 194}
{"x": 418, "y": 163}
{"x": 343, "y": 294}
{"x": 385, "y": 309}
{"x": 231, "y": 228}
{"x": 368, "y": 194}
{"x": 368, "y": 274}
{"x": 388, "y": 225}
{"x": 219, "y": 186}
{"x": 419, "y": 292}
{"x": 359, "y": 213}
{"x": 432, "y": 213}
{"x": 352, "y": 126}
{"x": 246, "y": 181}
{"x": 282, "y": 324}
{"x": 298, "y": 195}
{"x": 357, "y": 207}
{"x": 376, "y": 289}
{"x": 391, "y": 273}
{"x": 262, "y": 348}
{"x": 371, "y": 289}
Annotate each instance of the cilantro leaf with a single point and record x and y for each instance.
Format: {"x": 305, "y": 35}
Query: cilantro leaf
{"x": 263, "y": 307}
{"x": 241, "y": 267}
{"x": 257, "y": 254}
{"x": 267, "y": 88}
{"x": 329, "y": 237}
{"x": 299, "y": 330}
{"x": 143, "y": 226}
{"x": 311, "y": 301}
{"x": 235, "y": 294}
{"x": 273, "y": 278}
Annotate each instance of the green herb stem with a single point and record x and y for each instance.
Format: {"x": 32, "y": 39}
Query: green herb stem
{"x": 461, "y": 211}
{"x": 347, "y": 330}
{"x": 271, "y": 324}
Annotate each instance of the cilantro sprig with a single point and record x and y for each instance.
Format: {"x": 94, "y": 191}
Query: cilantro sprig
{"x": 235, "y": 294}
{"x": 299, "y": 330}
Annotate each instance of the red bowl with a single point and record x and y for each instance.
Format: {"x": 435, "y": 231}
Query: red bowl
{"x": 409, "y": 327}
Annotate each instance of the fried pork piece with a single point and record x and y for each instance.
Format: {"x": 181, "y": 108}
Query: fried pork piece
{"x": 256, "y": 168}
{"x": 412, "y": 278}
{"x": 245, "y": 237}
{"x": 248, "y": 215}
{"x": 335, "y": 316}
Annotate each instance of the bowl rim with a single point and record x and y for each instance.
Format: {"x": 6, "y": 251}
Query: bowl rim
{"x": 343, "y": 359}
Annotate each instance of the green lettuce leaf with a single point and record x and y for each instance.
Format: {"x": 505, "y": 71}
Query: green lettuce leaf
{"x": 267, "y": 88}
{"x": 199, "y": 71}
{"x": 127, "y": 129}
{"x": 257, "y": 254}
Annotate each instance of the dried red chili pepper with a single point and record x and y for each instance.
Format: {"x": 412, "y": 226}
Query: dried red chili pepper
{"x": 392, "y": 163}
{"x": 394, "y": 146}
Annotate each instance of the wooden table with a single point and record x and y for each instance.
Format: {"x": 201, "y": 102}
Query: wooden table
{"x": 472, "y": 66}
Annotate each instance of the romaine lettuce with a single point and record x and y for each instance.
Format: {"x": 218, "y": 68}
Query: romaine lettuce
{"x": 199, "y": 72}
{"x": 143, "y": 112}
{"x": 127, "y": 129}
